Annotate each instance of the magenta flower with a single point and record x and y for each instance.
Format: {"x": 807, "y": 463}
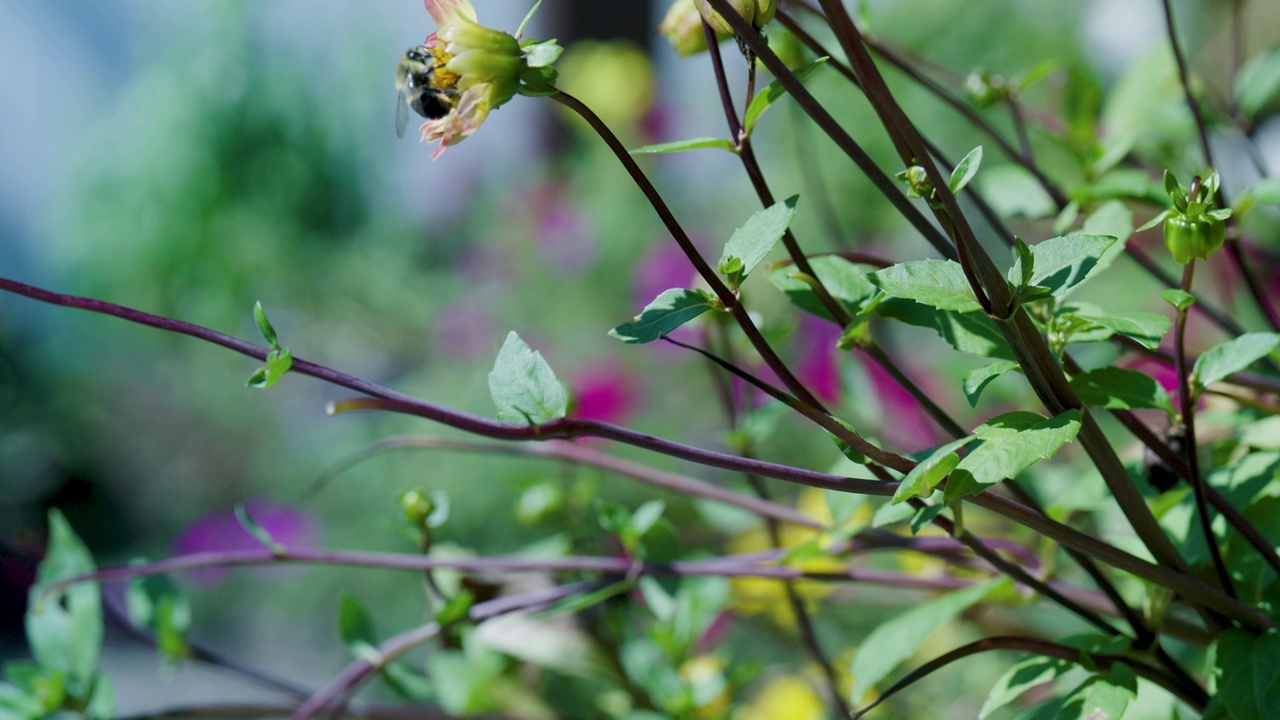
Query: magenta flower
{"x": 605, "y": 392}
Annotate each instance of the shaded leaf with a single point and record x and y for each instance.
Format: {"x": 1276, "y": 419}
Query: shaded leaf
{"x": 1248, "y": 667}
{"x": 667, "y": 312}
{"x": 1062, "y": 263}
{"x": 773, "y": 93}
{"x": 973, "y": 333}
{"x": 930, "y": 471}
{"x": 1121, "y": 389}
{"x": 939, "y": 284}
{"x": 975, "y": 381}
{"x": 1232, "y": 356}
{"x": 844, "y": 280}
{"x": 1147, "y": 328}
{"x": 1258, "y": 83}
{"x": 1024, "y": 675}
{"x": 893, "y": 641}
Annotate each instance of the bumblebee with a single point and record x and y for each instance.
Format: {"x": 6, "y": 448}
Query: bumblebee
{"x": 414, "y": 81}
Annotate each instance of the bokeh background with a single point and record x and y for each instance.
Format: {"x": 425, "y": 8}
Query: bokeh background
{"x": 190, "y": 158}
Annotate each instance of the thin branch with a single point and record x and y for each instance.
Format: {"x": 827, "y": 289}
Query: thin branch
{"x": 1193, "y": 695}
{"x": 578, "y": 455}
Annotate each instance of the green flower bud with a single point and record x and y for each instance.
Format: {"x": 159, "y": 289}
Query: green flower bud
{"x": 756, "y": 12}
{"x": 1189, "y": 238}
{"x": 682, "y": 27}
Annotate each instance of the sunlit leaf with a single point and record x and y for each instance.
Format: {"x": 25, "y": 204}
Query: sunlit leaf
{"x": 668, "y": 311}
{"x": 524, "y": 387}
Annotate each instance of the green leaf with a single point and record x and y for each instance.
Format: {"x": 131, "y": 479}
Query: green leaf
{"x": 1179, "y": 299}
{"x": 1105, "y": 697}
{"x": 846, "y": 281}
{"x": 977, "y": 380}
{"x": 965, "y": 170}
{"x": 1027, "y": 261}
{"x": 1258, "y": 83}
{"x": 773, "y": 93}
{"x": 893, "y": 641}
{"x": 1266, "y": 192}
{"x": 924, "y": 516}
{"x": 456, "y": 609}
{"x": 1231, "y": 357}
{"x": 1062, "y": 263}
{"x": 524, "y": 387}
{"x": 889, "y": 514}
{"x": 972, "y": 333}
{"x": 157, "y": 604}
{"x": 541, "y": 54}
{"x": 278, "y": 363}
{"x": 752, "y": 242}
{"x": 930, "y": 471}
{"x": 667, "y": 312}
{"x": 1146, "y": 328}
{"x": 264, "y": 325}
{"x": 355, "y": 628}
{"x": 1012, "y": 191}
{"x": 682, "y": 145}
{"x": 258, "y": 532}
{"x": 1024, "y": 675}
{"x": 1011, "y": 443}
{"x": 939, "y": 284}
{"x": 64, "y": 629}
{"x": 1247, "y": 668}
{"x": 1120, "y": 389}
{"x": 845, "y": 448}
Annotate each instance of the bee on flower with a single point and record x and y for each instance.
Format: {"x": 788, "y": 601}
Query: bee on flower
{"x": 464, "y": 70}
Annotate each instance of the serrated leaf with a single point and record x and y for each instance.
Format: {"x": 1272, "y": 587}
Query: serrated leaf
{"x": 929, "y": 472}
{"x": 524, "y": 387}
{"x": 682, "y": 145}
{"x": 893, "y": 641}
{"x": 1024, "y": 675}
{"x": 1258, "y": 83}
{"x": 1146, "y": 328}
{"x": 773, "y": 93}
{"x": 965, "y": 170}
{"x": 752, "y": 242}
{"x": 1062, "y": 263}
{"x": 1121, "y": 389}
{"x": 668, "y": 311}
{"x": 844, "y": 280}
{"x": 1011, "y": 443}
{"x": 977, "y": 380}
{"x": 1230, "y": 357}
{"x": 972, "y": 333}
{"x": 939, "y": 284}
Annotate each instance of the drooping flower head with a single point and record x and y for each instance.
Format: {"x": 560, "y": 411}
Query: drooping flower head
{"x": 478, "y": 69}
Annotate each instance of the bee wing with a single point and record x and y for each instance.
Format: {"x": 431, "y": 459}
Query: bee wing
{"x": 402, "y": 112}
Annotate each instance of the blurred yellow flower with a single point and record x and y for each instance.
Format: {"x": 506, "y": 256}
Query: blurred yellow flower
{"x": 705, "y": 675}
{"x": 785, "y": 696}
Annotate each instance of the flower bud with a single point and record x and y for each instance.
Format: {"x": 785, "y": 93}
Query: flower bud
{"x": 682, "y": 27}
{"x": 756, "y": 12}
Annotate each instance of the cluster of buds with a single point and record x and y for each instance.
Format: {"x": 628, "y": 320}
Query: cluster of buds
{"x": 682, "y": 25}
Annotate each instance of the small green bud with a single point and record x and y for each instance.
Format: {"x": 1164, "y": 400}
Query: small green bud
{"x": 917, "y": 182}
{"x": 756, "y": 12}
{"x": 1193, "y": 228}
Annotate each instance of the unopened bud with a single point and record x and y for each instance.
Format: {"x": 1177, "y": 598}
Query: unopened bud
{"x": 756, "y": 12}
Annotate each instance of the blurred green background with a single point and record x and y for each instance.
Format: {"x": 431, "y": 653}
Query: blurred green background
{"x": 189, "y": 159}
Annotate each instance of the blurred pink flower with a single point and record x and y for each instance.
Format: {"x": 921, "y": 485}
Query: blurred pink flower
{"x": 464, "y": 330}
{"x": 662, "y": 268}
{"x": 604, "y": 392}
{"x": 904, "y": 423}
{"x": 221, "y": 531}
{"x": 819, "y": 368}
